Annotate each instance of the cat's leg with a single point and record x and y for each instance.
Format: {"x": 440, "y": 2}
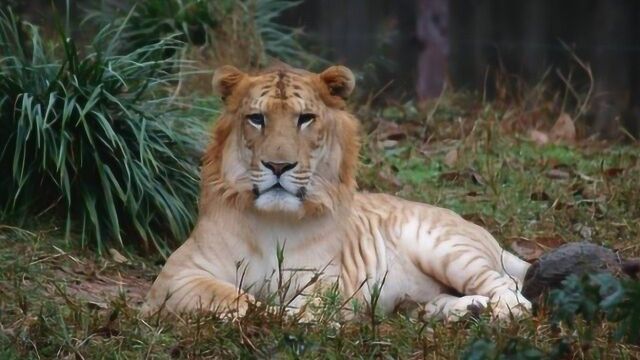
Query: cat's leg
{"x": 473, "y": 268}
{"x": 195, "y": 293}
{"x": 186, "y": 285}
{"x": 466, "y": 258}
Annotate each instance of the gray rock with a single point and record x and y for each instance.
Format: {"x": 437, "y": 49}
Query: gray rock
{"x": 580, "y": 258}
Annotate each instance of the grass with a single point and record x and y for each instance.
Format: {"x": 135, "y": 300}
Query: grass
{"x": 208, "y": 27}
{"x": 58, "y": 301}
{"x": 92, "y": 136}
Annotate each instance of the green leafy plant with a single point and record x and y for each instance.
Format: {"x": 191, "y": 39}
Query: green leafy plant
{"x": 491, "y": 342}
{"x": 245, "y": 32}
{"x": 278, "y": 40}
{"x": 597, "y": 297}
{"x": 485, "y": 349}
{"x": 89, "y": 135}
{"x": 149, "y": 21}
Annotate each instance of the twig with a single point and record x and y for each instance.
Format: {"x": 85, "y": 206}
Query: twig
{"x": 582, "y": 109}
{"x": 432, "y": 113}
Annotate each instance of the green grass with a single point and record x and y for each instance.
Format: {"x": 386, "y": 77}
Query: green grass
{"x": 91, "y": 135}
{"x": 53, "y": 302}
{"x": 210, "y": 26}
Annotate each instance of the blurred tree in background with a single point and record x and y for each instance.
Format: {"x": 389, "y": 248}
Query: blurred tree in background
{"x": 493, "y": 47}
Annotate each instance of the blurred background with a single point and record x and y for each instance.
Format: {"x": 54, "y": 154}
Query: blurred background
{"x": 413, "y": 48}
{"x": 424, "y": 44}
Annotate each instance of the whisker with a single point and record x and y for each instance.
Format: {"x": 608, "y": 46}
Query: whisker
{"x": 296, "y": 182}
{"x": 299, "y": 177}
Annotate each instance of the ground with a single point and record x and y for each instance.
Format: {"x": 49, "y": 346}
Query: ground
{"x": 533, "y": 190}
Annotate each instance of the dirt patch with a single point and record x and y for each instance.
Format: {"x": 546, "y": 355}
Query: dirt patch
{"x": 99, "y": 288}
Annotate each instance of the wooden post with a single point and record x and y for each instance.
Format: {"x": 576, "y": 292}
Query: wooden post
{"x": 433, "y": 34}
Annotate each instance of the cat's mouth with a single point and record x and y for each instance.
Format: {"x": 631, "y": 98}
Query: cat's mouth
{"x": 277, "y": 188}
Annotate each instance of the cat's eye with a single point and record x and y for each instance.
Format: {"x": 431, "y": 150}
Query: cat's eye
{"x": 256, "y": 120}
{"x": 305, "y": 119}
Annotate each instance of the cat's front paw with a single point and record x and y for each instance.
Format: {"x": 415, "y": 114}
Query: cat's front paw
{"x": 510, "y": 304}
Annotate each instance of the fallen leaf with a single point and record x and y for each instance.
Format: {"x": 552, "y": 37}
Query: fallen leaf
{"x": 558, "y": 174}
{"x": 585, "y": 231}
{"x": 387, "y": 144}
{"x": 539, "y": 137}
{"x": 387, "y": 175}
{"x": 388, "y": 130}
{"x": 481, "y": 220}
{"x": 81, "y": 269}
{"x": 613, "y": 172}
{"x": 97, "y": 305}
{"x": 477, "y": 179}
{"x": 559, "y": 205}
{"x": 451, "y": 158}
{"x": 589, "y": 192}
{"x": 587, "y": 177}
{"x": 117, "y": 257}
{"x": 548, "y": 241}
{"x": 459, "y": 177}
{"x": 475, "y": 218}
{"x": 451, "y": 176}
{"x": 106, "y": 332}
{"x": 539, "y": 196}
{"x": 527, "y": 249}
{"x": 563, "y": 130}
{"x": 388, "y": 134}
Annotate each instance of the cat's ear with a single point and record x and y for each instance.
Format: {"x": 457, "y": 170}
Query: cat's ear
{"x": 226, "y": 79}
{"x": 340, "y": 80}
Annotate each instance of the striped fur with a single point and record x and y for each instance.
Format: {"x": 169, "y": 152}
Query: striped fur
{"x": 414, "y": 253}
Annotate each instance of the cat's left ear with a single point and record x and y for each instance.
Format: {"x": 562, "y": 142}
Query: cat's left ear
{"x": 340, "y": 80}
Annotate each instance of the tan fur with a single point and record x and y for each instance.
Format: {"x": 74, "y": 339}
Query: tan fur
{"x": 417, "y": 253}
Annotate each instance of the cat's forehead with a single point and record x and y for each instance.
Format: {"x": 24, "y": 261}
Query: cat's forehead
{"x": 282, "y": 89}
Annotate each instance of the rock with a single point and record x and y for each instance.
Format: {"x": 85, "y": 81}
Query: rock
{"x": 579, "y": 258}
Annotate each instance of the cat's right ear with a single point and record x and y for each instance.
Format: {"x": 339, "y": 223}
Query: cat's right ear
{"x": 226, "y": 79}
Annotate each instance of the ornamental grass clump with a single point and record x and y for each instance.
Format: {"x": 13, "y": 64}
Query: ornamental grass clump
{"x": 89, "y": 135}
{"x": 247, "y": 33}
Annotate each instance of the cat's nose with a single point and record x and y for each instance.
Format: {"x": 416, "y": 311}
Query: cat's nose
{"x": 279, "y": 168}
